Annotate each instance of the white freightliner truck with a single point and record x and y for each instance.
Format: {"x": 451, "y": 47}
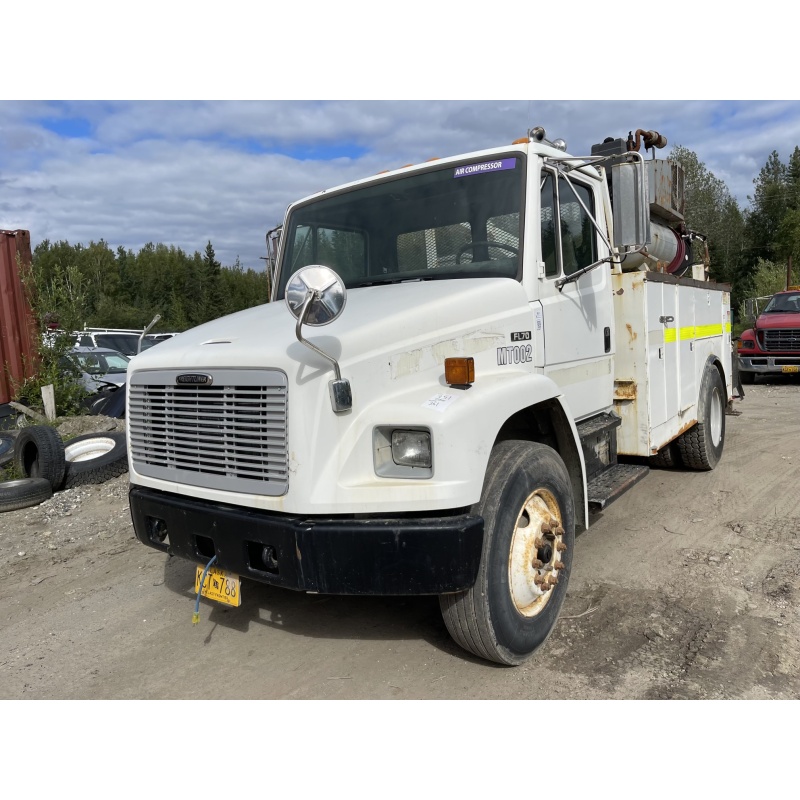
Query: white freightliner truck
{"x": 499, "y": 328}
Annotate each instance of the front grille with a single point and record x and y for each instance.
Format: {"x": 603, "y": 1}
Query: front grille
{"x": 782, "y": 339}
{"x": 230, "y": 435}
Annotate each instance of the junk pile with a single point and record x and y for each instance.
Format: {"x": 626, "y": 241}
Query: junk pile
{"x": 47, "y": 464}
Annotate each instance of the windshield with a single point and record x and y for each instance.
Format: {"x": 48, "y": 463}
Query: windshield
{"x": 126, "y": 343}
{"x": 459, "y": 221}
{"x": 784, "y": 303}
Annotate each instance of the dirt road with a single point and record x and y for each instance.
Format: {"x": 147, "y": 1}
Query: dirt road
{"x": 688, "y": 587}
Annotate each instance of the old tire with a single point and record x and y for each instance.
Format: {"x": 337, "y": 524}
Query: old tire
{"x": 39, "y": 453}
{"x": 6, "y": 448}
{"x": 95, "y": 458}
{"x": 24, "y": 492}
{"x": 747, "y": 378}
{"x": 514, "y": 604}
{"x": 701, "y": 446}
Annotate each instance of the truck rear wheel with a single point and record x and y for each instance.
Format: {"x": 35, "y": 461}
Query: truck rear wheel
{"x": 529, "y": 536}
{"x": 668, "y": 457}
{"x": 701, "y": 446}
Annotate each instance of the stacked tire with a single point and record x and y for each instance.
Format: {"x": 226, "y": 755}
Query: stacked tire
{"x": 48, "y": 465}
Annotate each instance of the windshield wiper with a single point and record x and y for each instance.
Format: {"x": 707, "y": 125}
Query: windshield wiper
{"x": 382, "y": 282}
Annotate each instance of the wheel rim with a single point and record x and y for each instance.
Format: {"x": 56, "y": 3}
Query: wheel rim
{"x": 715, "y": 417}
{"x": 88, "y": 449}
{"x": 537, "y": 547}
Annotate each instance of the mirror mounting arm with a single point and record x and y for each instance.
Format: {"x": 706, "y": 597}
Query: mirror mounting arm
{"x": 313, "y": 294}
{"x": 561, "y": 282}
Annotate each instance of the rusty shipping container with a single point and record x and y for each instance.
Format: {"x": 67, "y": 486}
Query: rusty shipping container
{"x": 17, "y": 326}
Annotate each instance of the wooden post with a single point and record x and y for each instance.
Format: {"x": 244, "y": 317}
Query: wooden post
{"x": 49, "y": 399}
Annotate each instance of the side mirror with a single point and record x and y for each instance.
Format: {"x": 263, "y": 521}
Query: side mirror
{"x": 316, "y": 295}
{"x": 631, "y": 204}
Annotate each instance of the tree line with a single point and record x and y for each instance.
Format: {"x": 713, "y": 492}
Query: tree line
{"x": 750, "y": 248}
{"x": 96, "y": 286}
{"x": 121, "y": 288}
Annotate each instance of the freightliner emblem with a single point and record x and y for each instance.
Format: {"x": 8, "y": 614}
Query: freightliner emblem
{"x": 195, "y": 379}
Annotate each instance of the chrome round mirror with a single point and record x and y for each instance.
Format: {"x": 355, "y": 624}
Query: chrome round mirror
{"x": 322, "y": 289}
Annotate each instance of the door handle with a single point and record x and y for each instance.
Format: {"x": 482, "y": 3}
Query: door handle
{"x": 666, "y": 320}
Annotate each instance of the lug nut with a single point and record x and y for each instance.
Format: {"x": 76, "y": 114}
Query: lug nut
{"x": 553, "y": 522}
{"x": 537, "y": 563}
{"x": 559, "y": 531}
{"x": 561, "y": 547}
{"x": 559, "y": 565}
{"x": 538, "y": 542}
{"x": 546, "y": 528}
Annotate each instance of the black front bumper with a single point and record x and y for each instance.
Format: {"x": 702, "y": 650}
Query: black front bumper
{"x": 332, "y": 555}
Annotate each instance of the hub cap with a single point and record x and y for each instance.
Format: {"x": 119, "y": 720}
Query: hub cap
{"x": 537, "y": 547}
{"x": 715, "y": 417}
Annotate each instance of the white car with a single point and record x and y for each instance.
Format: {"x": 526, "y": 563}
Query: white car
{"x": 99, "y": 367}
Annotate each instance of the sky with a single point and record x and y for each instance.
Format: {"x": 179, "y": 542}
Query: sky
{"x": 188, "y": 172}
{"x": 96, "y": 142}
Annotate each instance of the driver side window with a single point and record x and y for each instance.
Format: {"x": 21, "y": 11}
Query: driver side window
{"x": 572, "y": 245}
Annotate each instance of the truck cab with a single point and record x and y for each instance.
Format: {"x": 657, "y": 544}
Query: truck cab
{"x": 772, "y": 345}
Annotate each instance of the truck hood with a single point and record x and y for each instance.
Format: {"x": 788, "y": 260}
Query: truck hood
{"x": 403, "y": 319}
{"x": 779, "y": 319}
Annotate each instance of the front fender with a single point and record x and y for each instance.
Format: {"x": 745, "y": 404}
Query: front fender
{"x": 464, "y": 424}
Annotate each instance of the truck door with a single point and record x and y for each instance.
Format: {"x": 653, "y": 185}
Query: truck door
{"x": 578, "y": 318}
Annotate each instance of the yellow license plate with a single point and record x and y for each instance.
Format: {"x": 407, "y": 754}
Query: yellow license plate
{"x": 224, "y": 587}
{"x": 790, "y": 368}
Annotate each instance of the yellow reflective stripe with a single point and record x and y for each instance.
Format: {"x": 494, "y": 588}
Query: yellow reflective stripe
{"x": 708, "y": 330}
{"x": 695, "y": 332}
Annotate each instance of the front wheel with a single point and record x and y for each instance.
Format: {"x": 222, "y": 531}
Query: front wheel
{"x": 529, "y": 536}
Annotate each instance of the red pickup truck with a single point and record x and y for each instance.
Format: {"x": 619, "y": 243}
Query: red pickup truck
{"x": 772, "y": 345}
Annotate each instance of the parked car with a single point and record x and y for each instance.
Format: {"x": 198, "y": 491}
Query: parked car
{"x": 99, "y": 367}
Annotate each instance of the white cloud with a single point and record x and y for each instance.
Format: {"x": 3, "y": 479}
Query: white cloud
{"x": 176, "y": 172}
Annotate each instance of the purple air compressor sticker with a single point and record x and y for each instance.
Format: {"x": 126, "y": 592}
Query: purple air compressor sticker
{"x": 486, "y": 166}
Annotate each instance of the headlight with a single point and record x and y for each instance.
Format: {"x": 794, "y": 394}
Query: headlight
{"x": 746, "y": 344}
{"x": 412, "y": 449}
{"x": 402, "y": 452}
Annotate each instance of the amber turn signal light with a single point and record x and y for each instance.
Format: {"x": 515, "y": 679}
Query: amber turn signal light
{"x": 459, "y": 371}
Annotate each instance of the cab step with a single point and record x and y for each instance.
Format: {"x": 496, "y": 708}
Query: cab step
{"x": 613, "y": 482}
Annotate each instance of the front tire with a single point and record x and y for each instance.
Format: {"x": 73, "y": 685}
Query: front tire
{"x": 528, "y": 540}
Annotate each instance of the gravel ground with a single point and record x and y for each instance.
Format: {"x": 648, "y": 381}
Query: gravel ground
{"x": 687, "y": 587}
